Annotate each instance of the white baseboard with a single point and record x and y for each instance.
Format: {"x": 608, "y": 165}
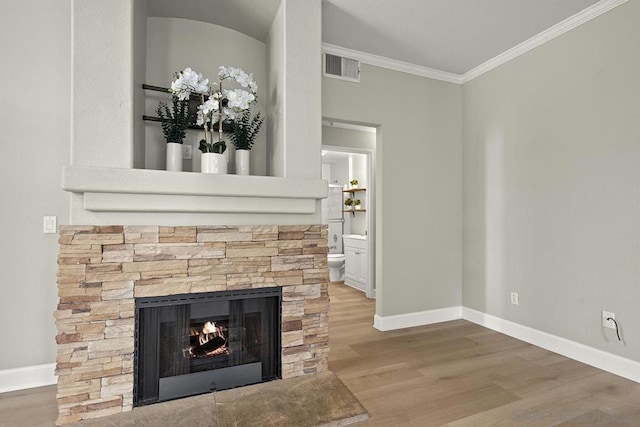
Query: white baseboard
{"x": 27, "y": 377}
{"x": 389, "y": 323}
{"x": 600, "y": 359}
{"x": 609, "y": 362}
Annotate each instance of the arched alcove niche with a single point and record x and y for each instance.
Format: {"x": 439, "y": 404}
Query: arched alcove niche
{"x": 118, "y": 46}
{"x": 173, "y": 44}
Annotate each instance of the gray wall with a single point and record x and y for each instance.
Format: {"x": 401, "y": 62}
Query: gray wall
{"x": 35, "y": 121}
{"x": 418, "y": 181}
{"x": 551, "y": 151}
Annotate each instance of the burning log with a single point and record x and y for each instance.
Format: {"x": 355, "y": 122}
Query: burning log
{"x": 209, "y": 340}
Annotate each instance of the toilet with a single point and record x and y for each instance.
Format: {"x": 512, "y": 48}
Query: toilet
{"x": 336, "y": 267}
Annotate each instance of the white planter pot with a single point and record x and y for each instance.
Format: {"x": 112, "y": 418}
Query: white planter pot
{"x": 242, "y": 162}
{"x": 174, "y": 157}
{"x": 213, "y": 163}
{"x": 358, "y": 207}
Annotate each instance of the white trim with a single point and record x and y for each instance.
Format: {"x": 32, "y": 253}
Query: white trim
{"x": 600, "y": 359}
{"x": 408, "y": 320}
{"x": 618, "y": 365}
{"x": 551, "y": 33}
{"x": 392, "y": 64}
{"x": 27, "y": 377}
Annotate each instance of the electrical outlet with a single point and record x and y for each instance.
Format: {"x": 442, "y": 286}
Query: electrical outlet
{"x": 608, "y": 323}
{"x": 514, "y": 298}
{"x": 187, "y": 151}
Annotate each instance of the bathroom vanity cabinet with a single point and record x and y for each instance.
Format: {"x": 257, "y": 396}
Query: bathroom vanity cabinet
{"x": 356, "y": 264}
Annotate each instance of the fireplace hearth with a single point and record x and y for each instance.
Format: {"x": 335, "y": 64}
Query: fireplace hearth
{"x": 197, "y": 343}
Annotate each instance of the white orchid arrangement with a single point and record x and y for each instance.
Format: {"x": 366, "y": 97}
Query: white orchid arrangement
{"x": 217, "y": 104}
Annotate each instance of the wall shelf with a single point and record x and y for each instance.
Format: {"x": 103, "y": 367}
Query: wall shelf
{"x": 352, "y": 191}
{"x": 353, "y": 211}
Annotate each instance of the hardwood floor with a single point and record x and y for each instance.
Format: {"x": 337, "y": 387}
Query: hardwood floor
{"x": 461, "y": 374}
{"x": 455, "y": 374}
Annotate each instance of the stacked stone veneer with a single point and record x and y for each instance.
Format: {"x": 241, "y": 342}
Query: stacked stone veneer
{"x": 103, "y": 268}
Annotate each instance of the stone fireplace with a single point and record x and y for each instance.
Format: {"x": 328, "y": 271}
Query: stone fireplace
{"x": 104, "y": 269}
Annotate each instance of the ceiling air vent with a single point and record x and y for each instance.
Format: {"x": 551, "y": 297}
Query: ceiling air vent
{"x": 342, "y": 68}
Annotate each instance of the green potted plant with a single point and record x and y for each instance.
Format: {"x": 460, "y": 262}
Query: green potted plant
{"x": 354, "y": 183}
{"x": 174, "y": 127}
{"x": 357, "y": 203}
{"x": 348, "y": 203}
{"x": 243, "y": 137}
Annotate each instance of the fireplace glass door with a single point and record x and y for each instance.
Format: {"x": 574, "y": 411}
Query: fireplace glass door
{"x": 197, "y": 343}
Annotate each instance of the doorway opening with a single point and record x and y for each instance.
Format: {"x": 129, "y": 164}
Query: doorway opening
{"x": 348, "y": 164}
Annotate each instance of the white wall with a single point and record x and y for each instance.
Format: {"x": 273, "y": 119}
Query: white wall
{"x": 275, "y": 125}
{"x": 139, "y": 78}
{"x": 550, "y": 160}
{"x": 174, "y": 44}
{"x": 35, "y": 39}
{"x": 418, "y": 248}
{"x": 102, "y": 77}
{"x": 358, "y": 170}
{"x": 294, "y": 45}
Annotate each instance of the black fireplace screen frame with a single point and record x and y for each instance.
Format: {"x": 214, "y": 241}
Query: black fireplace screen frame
{"x": 152, "y": 384}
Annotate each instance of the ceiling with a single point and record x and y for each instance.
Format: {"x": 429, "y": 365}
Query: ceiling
{"x": 454, "y": 36}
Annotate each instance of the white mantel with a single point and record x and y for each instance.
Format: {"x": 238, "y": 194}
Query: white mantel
{"x": 103, "y": 195}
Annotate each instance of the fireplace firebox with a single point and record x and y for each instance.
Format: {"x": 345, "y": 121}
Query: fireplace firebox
{"x": 197, "y": 343}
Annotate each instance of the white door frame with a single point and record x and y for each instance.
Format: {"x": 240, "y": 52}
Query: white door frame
{"x": 370, "y": 290}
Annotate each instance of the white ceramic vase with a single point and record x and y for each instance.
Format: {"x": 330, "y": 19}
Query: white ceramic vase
{"x": 213, "y": 163}
{"x": 242, "y": 162}
{"x": 174, "y": 157}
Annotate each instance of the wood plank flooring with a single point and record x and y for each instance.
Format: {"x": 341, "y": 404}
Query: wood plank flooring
{"x": 455, "y": 374}
{"x": 461, "y": 374}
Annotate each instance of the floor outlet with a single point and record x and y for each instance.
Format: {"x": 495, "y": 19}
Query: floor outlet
{"x": 608, "y": 323}
{"x": 514, "y": 298}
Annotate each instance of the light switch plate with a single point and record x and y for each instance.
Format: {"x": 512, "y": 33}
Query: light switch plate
{"x": 50, "y": 224}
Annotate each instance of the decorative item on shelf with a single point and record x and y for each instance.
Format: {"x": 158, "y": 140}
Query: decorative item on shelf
{"x": 348, "y": 202}
{"x": 243, "y": 137}
{"x": 354, "y": 183}
{"x": 174, "y": 125}
{"x": 357, "y": 203}
{"x": 215, "y": 163}
{"x": 218, "y": 105}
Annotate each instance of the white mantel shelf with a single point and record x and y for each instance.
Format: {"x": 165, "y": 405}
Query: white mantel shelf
{"x": 140, "y": 190}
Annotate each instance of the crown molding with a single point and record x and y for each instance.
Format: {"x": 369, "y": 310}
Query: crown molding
{"x": 392, "y": 64}
{"x": 549, "y": 34}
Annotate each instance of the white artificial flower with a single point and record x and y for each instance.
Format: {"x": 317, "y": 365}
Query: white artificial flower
{"x": 210, "y": 105}
{"x": 188, "y": 82}
{"x": 252, "y": 84}
{"x": 239, "y": 99}
{"x": 202, "y": 119}
{"x": 207, "y": 110}
{"x": 243, "y": 79}
{"x": 229, "y": 113}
